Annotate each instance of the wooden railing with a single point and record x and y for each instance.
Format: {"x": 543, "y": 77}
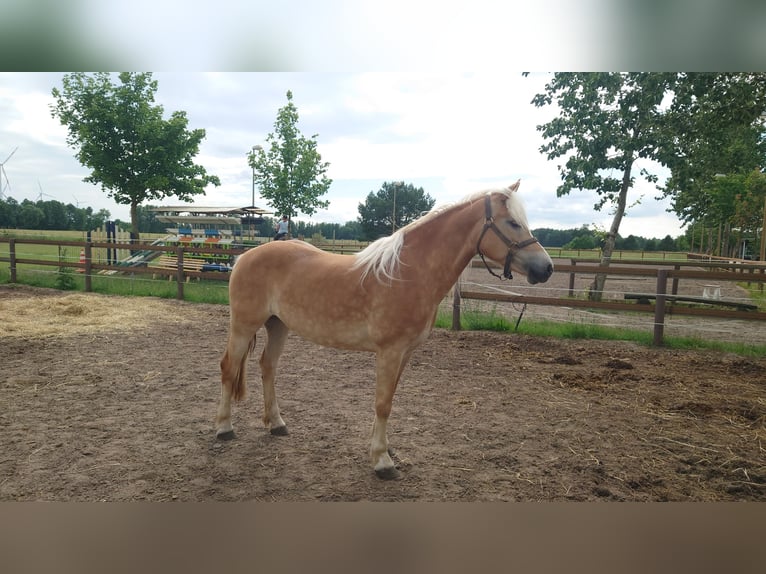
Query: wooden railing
{"x": 666, "y": 275}
{"x": 736, "y": 271}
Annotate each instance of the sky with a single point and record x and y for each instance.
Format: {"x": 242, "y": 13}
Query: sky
{"x": 451, "y": 133}
{"x": 428, "y": 92}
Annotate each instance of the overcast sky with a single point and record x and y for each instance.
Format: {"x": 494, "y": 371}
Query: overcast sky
{"x": 450, "y": 133}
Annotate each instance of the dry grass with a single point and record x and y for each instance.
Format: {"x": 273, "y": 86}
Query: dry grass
{"x": 80, "y": 313}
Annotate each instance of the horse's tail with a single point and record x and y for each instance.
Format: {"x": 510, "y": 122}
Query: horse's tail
{"x": 238, "y": 386}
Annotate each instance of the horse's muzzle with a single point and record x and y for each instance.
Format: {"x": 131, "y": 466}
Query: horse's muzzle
{"x": 539, "y": 273}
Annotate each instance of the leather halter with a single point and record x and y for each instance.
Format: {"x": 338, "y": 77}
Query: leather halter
{"x": 489, "y": 224}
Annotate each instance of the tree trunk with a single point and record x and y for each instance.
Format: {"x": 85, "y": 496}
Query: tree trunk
{"x": 134, "y": 222}
{"x": 597, "y": 287}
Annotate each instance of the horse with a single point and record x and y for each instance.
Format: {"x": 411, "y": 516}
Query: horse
{"x": 383, "y": 299}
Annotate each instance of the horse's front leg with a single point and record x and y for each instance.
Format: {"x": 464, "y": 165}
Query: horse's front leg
{"x": 389, "y": 367}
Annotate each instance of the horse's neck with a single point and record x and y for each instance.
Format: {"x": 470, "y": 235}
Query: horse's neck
{"x": 443, "y": 247}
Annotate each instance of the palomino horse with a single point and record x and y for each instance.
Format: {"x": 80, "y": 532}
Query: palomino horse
{"x": 383, "y": 299}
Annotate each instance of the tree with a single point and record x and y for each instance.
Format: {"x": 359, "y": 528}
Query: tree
{"x": 606, "y": 123}
{"x": 719, "y": 143}
{"x": 132, "y": 152}
{"x": 393, "y": 206}
{"x": 9, "y": 212}
{"x": 30, "y": 216}
{"x": 714, "y": 125}
{"x": 290, "y": 173}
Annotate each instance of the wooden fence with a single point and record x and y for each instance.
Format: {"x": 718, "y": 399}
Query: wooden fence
{"x": 665, "y": 301}
{"x": 665, "y": 296}
{"x": 90, "y": 265}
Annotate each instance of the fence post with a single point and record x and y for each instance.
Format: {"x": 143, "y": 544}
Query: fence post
{"x": 88, "y": 266}
{"x": 12, "y": 257}
{"x": 572, "y": 278}
{"x": 674, "y": 288}
{"x": 180, "y": 272}
{"x": 659, "y": 308}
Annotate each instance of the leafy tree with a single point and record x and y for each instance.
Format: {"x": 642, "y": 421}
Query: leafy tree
{"x": 133, "y": 152}
{"x": 582, "y": 242}
{"x": 55, "y": 216}
{"x": 667, "y": 243}
{"x": 696, "y": 124}
{"x": 714, "y": 126}
{"x": 30, "y": 216}
{"x": 49, "y": 215}
{"x": 349, "y": 230}
{"x": 709, "y": 187}
{"x": 606, "y": 123}
{"x": 9, "y": 210}
{"x": 751, "y": 206}
{"x": 148, "y": 221}
{"x": 290, "y": 173}
{"x": 96, "y": 220}
{"x": 718, "y": 122}
{"x": 393, "y": 206}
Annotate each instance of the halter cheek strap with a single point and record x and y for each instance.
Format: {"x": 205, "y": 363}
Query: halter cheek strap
{"x": 489, "y": 224}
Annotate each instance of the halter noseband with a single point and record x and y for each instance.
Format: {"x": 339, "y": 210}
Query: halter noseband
{"x": 489, "y": 223}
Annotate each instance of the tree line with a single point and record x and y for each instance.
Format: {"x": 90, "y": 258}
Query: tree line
{"x": 375, "y": 220}
{"x": 49, "y": 215}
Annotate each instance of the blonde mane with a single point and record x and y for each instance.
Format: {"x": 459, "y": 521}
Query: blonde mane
{"x": 382, "y": 257}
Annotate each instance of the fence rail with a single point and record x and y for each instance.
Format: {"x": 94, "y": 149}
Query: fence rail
{"x": 665, "y": 299}
{"x": 663, "y": 271}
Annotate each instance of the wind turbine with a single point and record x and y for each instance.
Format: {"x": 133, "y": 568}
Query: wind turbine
{"x": 40, "y": 197}
{"x": 7, "y": 184}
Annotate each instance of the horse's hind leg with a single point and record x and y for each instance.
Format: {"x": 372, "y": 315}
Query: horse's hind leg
{"x": 233, "y": 366}
{"x": 277, "y": 335}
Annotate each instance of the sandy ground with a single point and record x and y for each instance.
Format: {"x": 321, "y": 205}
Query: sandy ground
{"x": 123, "y": 409}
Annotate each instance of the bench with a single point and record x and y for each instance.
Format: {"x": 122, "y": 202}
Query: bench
{"x": 644, "y": 298}
{"x": 170, "y": 263}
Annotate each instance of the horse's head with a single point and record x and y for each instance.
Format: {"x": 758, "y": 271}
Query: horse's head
{"x": 507, "y": 240}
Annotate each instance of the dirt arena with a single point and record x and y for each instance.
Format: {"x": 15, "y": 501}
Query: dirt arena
{"x": 109, "y": 398}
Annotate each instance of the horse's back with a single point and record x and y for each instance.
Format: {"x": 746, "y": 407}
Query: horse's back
{"x": 278, "y": 258}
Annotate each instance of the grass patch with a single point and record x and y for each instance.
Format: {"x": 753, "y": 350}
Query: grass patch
{"x": 757, "y": 294}
{"x": 125, "y": 284}
{"x": 216, "y": 292}
{"x": 492, "y": 321}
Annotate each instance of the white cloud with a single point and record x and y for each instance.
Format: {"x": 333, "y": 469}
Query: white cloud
{"x": 451, "y": 133}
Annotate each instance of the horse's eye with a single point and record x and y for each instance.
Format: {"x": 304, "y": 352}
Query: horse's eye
{"x": 513, "y": 224}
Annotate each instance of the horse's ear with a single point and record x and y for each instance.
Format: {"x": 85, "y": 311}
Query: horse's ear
{"x": 514, "y": 186}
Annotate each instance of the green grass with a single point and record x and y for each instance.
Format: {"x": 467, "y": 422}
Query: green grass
{"x": 757, "y": 295}
{"x": 127, "y": 285}
{"x": 217, "y": 292}
{"x": 491, "y": 321}
{"x": 140, "y": 285}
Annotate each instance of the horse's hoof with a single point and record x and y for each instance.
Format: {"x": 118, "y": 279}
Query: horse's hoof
{"x": 388, "y": 473}
{"x": 226, "y": 435}
{"x": 279, "y": 431}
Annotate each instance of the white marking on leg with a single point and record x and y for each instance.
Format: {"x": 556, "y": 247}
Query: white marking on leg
{"x": 379, "y": 445}
{"x": 223, "y": 419}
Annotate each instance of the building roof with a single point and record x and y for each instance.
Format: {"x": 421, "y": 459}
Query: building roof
{"x": 205, "y": 215}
